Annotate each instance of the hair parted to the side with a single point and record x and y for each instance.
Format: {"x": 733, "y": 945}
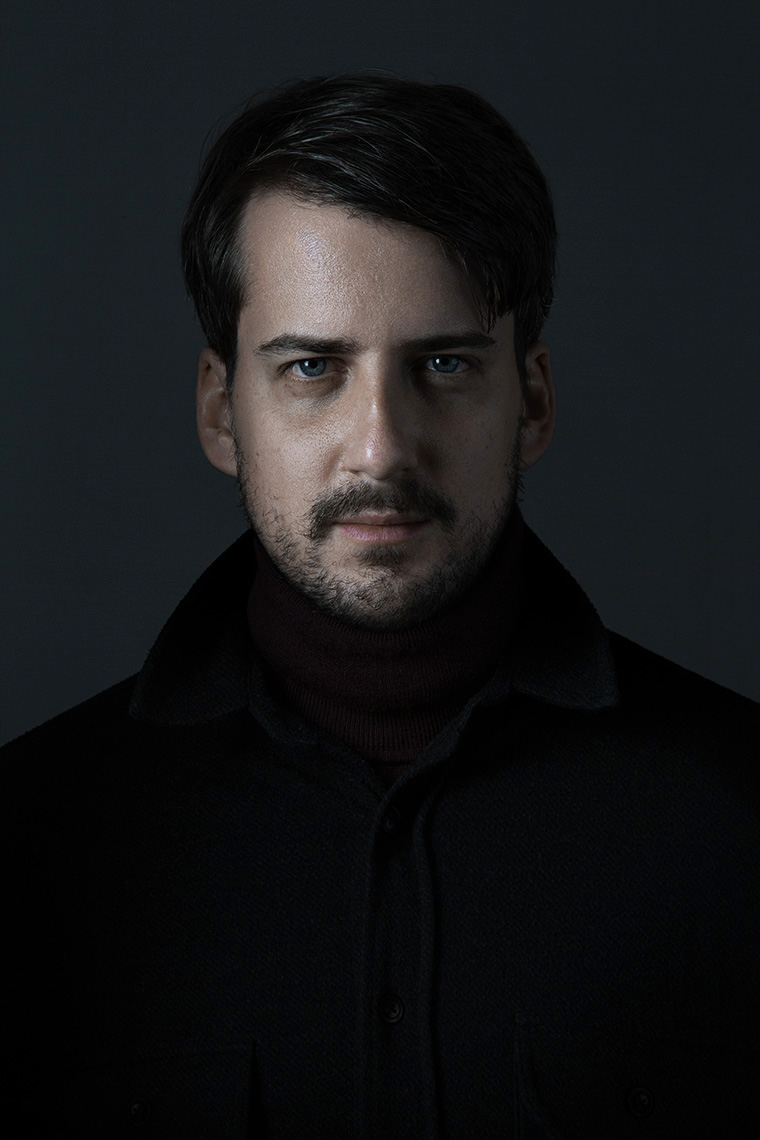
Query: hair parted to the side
{"x": 435, "y": 156}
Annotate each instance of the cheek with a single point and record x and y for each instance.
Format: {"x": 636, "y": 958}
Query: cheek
{"x": 485, "y": 465}
{"x": 288, "y": 468}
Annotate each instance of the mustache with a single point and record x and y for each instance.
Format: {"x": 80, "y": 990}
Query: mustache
{"x": 403, "y": 499}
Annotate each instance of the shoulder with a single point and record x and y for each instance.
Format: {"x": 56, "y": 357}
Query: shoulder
{"x": 99, "y": 748}
{"x": 646, "y": 677}
{"x": 56, "y": 773}
{"x": 105, "y": 712}
{"x": 678, "y": 717}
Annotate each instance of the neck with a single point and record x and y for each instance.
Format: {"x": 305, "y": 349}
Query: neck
{"x": 385, "y": 694}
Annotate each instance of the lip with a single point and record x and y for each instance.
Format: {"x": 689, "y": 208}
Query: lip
{"x": 382, "y": 528}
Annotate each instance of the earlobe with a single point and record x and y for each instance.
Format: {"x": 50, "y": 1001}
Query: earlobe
{"x": 539, "y": 409}
{"x": 212, "y": 413}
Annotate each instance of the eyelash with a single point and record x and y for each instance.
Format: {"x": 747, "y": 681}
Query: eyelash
{"x": 319, "y": 359}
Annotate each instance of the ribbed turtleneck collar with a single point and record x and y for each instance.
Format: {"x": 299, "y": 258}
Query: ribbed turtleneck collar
{"x": 385, "y": 694}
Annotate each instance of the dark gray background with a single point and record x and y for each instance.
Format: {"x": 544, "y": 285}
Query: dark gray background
{"x": 644, "y": 118}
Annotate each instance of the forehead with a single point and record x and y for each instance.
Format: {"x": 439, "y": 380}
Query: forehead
{"x": 318, "y": 260}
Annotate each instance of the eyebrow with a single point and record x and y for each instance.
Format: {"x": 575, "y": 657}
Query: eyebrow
{"x": 290, "y": 342}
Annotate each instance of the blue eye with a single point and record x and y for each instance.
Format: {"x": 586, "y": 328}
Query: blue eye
{"x": 454, "y": 358}
{"x": 309, "y": 364}
{"x": 314, "y": 362}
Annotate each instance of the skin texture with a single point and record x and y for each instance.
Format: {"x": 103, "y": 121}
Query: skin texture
{"x": 441, "y": 434}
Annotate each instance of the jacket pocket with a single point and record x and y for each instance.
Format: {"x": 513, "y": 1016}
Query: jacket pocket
{"x": 177, "y": 1094}
{"x": 632, "y": 1081}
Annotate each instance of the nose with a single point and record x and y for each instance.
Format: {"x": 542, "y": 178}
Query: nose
{"x": 381, "y": 437}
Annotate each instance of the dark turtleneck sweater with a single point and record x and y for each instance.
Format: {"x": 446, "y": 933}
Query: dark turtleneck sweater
{"x": 386, "y": 695}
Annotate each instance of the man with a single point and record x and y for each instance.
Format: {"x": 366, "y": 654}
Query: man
{"x": 389, "y": 837}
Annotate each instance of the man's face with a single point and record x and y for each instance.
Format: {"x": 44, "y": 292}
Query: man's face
{"x": 375, "y": 427}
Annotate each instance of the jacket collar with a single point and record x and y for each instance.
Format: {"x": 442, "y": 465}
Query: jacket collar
{"x": 200, "y": 665}
{"x": 562, "y": 653}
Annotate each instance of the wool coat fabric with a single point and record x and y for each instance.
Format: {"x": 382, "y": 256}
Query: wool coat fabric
{"x": 548, "y": 928}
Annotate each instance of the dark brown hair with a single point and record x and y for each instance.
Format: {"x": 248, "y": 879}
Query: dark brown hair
{"x": 435, "y": 156}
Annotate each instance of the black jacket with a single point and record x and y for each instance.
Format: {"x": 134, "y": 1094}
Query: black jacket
{"x": 547, "y": 928}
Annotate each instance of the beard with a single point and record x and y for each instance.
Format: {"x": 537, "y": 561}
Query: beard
{"x": 383, "y": 593}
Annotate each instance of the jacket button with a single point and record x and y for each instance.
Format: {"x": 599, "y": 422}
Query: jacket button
{"x": 640, "y": 1102}
{"x": 139, "y": 1111}
{"x": 392, "y": 821}
{"x": 391, "y": 1007}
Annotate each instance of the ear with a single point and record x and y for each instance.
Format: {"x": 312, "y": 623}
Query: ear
{"x": 539, "y": 411}
{"x": 212, "y": 413}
